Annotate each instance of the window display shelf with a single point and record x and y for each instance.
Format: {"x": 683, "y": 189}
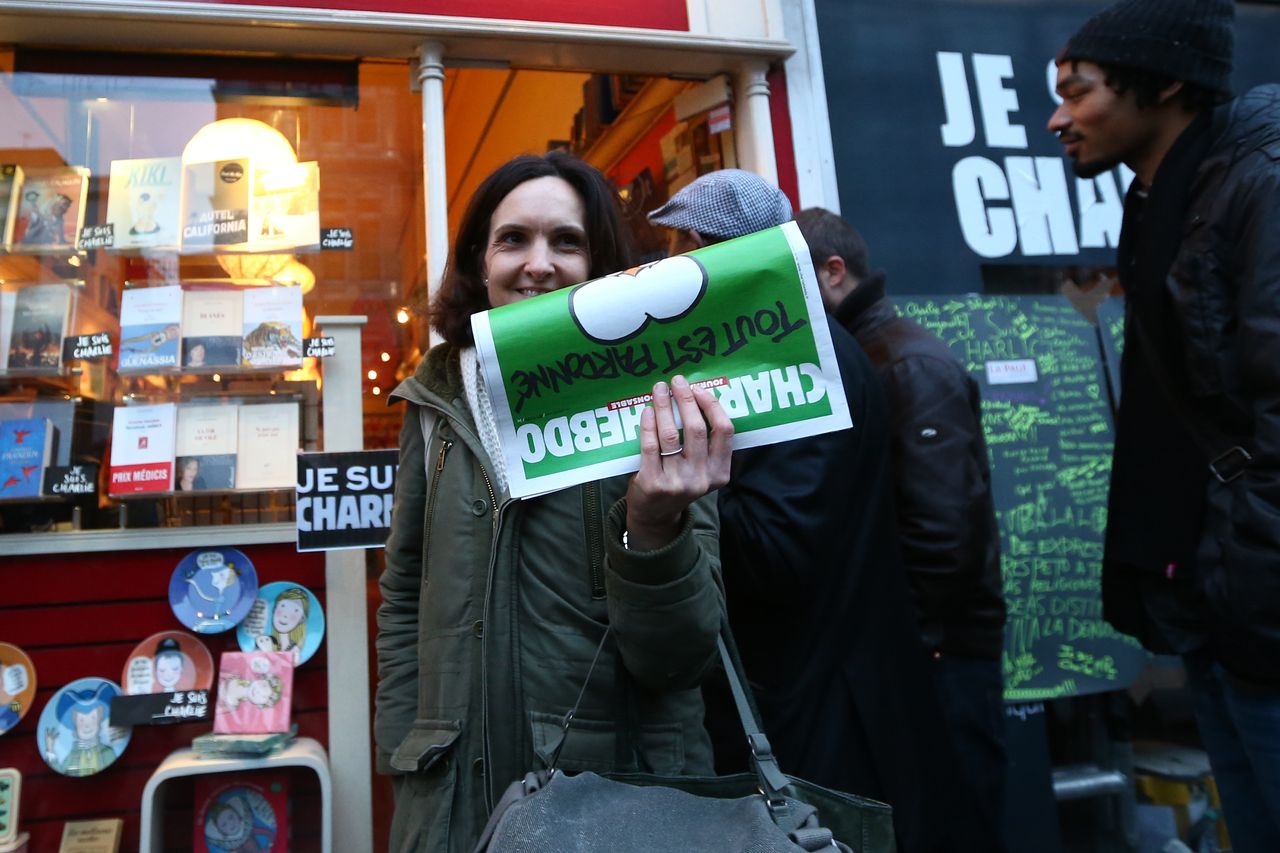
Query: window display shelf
{"x": 304, "y": 752}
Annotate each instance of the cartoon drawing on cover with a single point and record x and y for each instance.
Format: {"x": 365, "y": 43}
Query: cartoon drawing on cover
{"x": 77, "y": 736}
{"x": 263, "y": 689}
{"x": 241, "y": 821}
{"x": 255, "y": 692}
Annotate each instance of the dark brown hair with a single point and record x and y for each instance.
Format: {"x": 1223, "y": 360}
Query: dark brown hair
{"x": 463, "y": 292}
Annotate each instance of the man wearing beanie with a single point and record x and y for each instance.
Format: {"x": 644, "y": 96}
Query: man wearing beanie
{"x": 1192, "y": 558}
{"x": 816, "y": 593}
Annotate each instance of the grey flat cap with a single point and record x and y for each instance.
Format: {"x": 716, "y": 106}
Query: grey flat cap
{"x": 728, "y": 203}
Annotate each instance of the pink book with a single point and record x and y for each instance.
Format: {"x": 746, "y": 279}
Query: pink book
{"x": 255, "y": 690}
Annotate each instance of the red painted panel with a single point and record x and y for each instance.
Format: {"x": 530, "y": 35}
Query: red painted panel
{"x": 653, "y": 14}
{"x": 82, "y": 614}
{"x": 784, "y": 149}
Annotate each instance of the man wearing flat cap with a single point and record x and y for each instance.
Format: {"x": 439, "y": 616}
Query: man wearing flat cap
{"x": 816, "y": 593}
{"x": 1192, "y": 559}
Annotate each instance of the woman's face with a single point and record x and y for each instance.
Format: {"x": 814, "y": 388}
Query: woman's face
{"x": 168, "y": 670}
{"x": 287, "y": 615}
{"x": 260, "y": 692}
{"x": 537, "y": 241}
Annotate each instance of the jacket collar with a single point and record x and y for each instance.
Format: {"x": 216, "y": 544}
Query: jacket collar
{"x": 855, "y": 311}
{"x": 437, "y": 381}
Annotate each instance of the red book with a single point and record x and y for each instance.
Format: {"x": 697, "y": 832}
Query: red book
{"x": 241, "y": 813}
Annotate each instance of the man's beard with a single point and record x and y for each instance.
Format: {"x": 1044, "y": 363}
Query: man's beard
{"x": 1091, "y": 168}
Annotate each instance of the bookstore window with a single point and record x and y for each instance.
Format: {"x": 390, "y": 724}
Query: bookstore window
{"x": 171, "y": 227}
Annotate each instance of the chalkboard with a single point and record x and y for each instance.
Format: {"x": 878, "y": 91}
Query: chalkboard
{"x": 1111, "y": 332}
{"x": 1049, "y": 432}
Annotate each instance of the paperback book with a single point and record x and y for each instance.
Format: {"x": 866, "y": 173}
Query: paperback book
{"x": 268, "y": 446}
{"x": 272, "y": 327}
{"x": 212, "y": 327}
{"x": 206, "y": 448}
{"x": 10, "y": 177}
{"x": 255, "y": 692}
{"x": 285, "y": 210}
{"x": 143, "y": 199}
{"x": 215, "y": 205}
{"x": 150, "y": 320}
{"x": 50, "y": 210}
{"x": 26, "y": 447}
{"x": 142, "y": 445}
{"x": 41, "y": 314}
{"x": 8, "y": 301}
{"x": 239, "y": 812}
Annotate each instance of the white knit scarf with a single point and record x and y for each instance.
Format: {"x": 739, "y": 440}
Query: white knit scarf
{"x": 482, "y": 411}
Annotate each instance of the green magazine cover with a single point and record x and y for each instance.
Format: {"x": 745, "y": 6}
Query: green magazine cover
{"x": 569, "y": 372}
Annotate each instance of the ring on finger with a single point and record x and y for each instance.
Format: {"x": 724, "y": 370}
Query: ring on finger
{"x": 675, "y": 452}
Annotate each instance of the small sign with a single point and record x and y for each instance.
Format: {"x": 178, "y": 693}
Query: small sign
{"x": 161, "y": 709}
{"x": 93, "y": 347}
{"x": 92, "y": 836}
{"x": 344, "y": 499}
{"x": 70, "y": 480}
{"x": 720, "y": 119}
{"x": 1018, "y": 371}
{"x": 340, "y": 239}
{"x": 97, "y": 236}
{"x": 318, "y": 347}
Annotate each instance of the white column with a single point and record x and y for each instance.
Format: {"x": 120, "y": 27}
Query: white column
{"x": 810, "y": 120}
{"x": 754, "y": 128}
{"x": 435, "y": 197}
{"x": 346, "y": 623}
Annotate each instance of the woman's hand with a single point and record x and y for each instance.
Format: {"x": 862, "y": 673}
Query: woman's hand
{"x": 672, "y": 475}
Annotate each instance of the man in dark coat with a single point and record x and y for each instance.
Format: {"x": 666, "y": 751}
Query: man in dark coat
{"x": 945, "y": 515}
{"x": 817, "y": 598}
{"x": 1192, "y": 559}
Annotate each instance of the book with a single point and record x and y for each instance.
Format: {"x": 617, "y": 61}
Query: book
{"x": 206, "y": 448}
{"x": 255, "y": 692}
{"x": 8, "y": 301}
{"x": 241, "y": 812}
{"x": 92, "y": 836}
{"x": 142, "y": 444}
{"x": 143, "y": 199}
{"x": 150, "y": 322}
{"x": 272, "y": 327}
{"x": 285, "y": 209}
{"x": 212, "y": 327}
{"x": 51, "y": 206}
{"x": 267, "y": 446}
{"x": 10, "y": 178}
{"x": 215, "y": 205}
{"x": 26, "y": 447}
{"x": 41, "y": 314}
{"x": 216, "y": 746}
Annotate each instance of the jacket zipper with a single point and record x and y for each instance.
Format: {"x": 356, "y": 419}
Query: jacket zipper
{"x": 445, "y": 444}
{"x": 594, "y": 526}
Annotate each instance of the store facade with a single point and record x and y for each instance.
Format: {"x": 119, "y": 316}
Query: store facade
{"x": 201, "y": 191}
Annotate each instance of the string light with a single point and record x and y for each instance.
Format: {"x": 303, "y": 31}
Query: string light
{"x": 372, "y": 374}
{"x": 402, "y": 316}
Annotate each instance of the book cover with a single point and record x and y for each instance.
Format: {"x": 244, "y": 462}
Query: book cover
{"x": 26, "y": 446}
{"x": 215, "y": 205}
{"x": 40, "y": 316}
{"x": 143, "y": 202}
{"x": 51, "y": 204}
{"x": 206, "y": 448}
{"x": 268, "y": 446}
{"x": 241, "y": 812}
{"x": 255, "y": 692}
{"x": 10, "y": 178}
{"x": 150, "y": 320}
{"x": 285, "y": 209}
{"x": 272, "y": 327}
{"x": 142, "y": 444}
{"x": 8, "y": 301}
{"x": 212, "y": 327}
{"x": 92, "y": 836}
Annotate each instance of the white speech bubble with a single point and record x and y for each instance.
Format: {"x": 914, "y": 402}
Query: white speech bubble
{"x": 260, "y": 664}
{"x": 140, "y": 677}
{"x": 15, "y": 679}
{"x": 255, "y": 624}
{"x": 618, "y": 307}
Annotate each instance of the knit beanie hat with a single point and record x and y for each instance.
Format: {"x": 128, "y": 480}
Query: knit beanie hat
{"x": 1187, "y": 40}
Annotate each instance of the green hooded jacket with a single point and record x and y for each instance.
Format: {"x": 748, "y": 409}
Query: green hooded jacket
{"x": 492, "y": 610}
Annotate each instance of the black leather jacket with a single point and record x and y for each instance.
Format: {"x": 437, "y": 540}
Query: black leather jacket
{"x": 1205, "y": 288}
{"x": 942, "y": 479}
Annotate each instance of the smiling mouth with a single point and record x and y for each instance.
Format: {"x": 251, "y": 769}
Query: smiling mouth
{"x": 530, "y": 292}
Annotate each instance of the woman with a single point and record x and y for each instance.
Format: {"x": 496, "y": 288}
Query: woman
{"x": 289, "y": 622}
{"x": 493, "y": 608}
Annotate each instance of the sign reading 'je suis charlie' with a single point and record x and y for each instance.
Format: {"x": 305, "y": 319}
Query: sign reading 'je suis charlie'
{"x": 570, "y": 372}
